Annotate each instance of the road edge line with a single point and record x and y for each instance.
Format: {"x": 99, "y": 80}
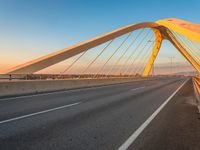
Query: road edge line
{"x": 135, "y": 134}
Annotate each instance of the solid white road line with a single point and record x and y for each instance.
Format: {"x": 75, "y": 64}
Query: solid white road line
{"x": 38, "y": 113}
{"x": 138, "y": 88}
{"x": 133, "y": 137}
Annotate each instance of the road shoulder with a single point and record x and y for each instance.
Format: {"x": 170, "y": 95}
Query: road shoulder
{"x": 177, "y": 127}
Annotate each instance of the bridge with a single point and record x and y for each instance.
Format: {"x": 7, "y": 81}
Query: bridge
{"x": 114, "y": 101}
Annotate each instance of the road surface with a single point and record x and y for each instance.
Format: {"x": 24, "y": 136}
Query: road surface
{"x": 104, "y": 117}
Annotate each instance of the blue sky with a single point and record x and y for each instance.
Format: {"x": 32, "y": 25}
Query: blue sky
{"x": 32, "y": 28}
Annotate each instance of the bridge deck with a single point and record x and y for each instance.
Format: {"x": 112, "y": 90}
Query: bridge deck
{"x": 102, "y": 118}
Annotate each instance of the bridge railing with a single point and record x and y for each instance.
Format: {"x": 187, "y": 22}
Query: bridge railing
{"x": 14, "y": 77}
{"x": 63, "y": 76}
{"x": 196, "y": 83}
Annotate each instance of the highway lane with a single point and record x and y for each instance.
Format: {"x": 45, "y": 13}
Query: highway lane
{"x": 29, "y": 104}
{"x": 90, "y": 118}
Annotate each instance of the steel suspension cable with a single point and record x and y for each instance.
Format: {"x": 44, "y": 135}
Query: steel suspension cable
{"x": 135, "y": 49}
{"x": 113, "y": 54}
{"x": 145, "y": 58}
{"x": 181, "y": 40}
{"x": 184, "y": 40}
{"x": 188, "y": 48}
{"x": 126, "y": 50}
{"x": 74, "y": 62}
{"x": 194, "y": 45}
{"x": 101, "y": 52}
{"x": 138, "y": 55}
{"x": 143, "y": 50}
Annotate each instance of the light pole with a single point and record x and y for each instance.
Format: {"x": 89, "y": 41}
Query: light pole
{"x": 153, "y": 71}
{"x": 171, "y": 63}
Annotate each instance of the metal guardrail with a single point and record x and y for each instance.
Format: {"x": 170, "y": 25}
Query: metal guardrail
{"x": 196, "y": 84}
{"x": 10, "y": 77}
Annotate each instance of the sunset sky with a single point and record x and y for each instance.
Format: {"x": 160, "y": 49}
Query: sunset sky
{"x": 33, "y": 28}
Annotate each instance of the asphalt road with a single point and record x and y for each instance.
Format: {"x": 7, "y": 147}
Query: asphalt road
{"x": 90, "y": 118}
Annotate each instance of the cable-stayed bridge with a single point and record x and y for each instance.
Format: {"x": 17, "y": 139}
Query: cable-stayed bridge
{"x": 108, "y": 96}
{"x": 139, "y": 41}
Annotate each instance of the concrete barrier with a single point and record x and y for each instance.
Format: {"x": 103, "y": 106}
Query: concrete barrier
{"x": 196, "y": 84}
{"x": 14, "y": 88}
